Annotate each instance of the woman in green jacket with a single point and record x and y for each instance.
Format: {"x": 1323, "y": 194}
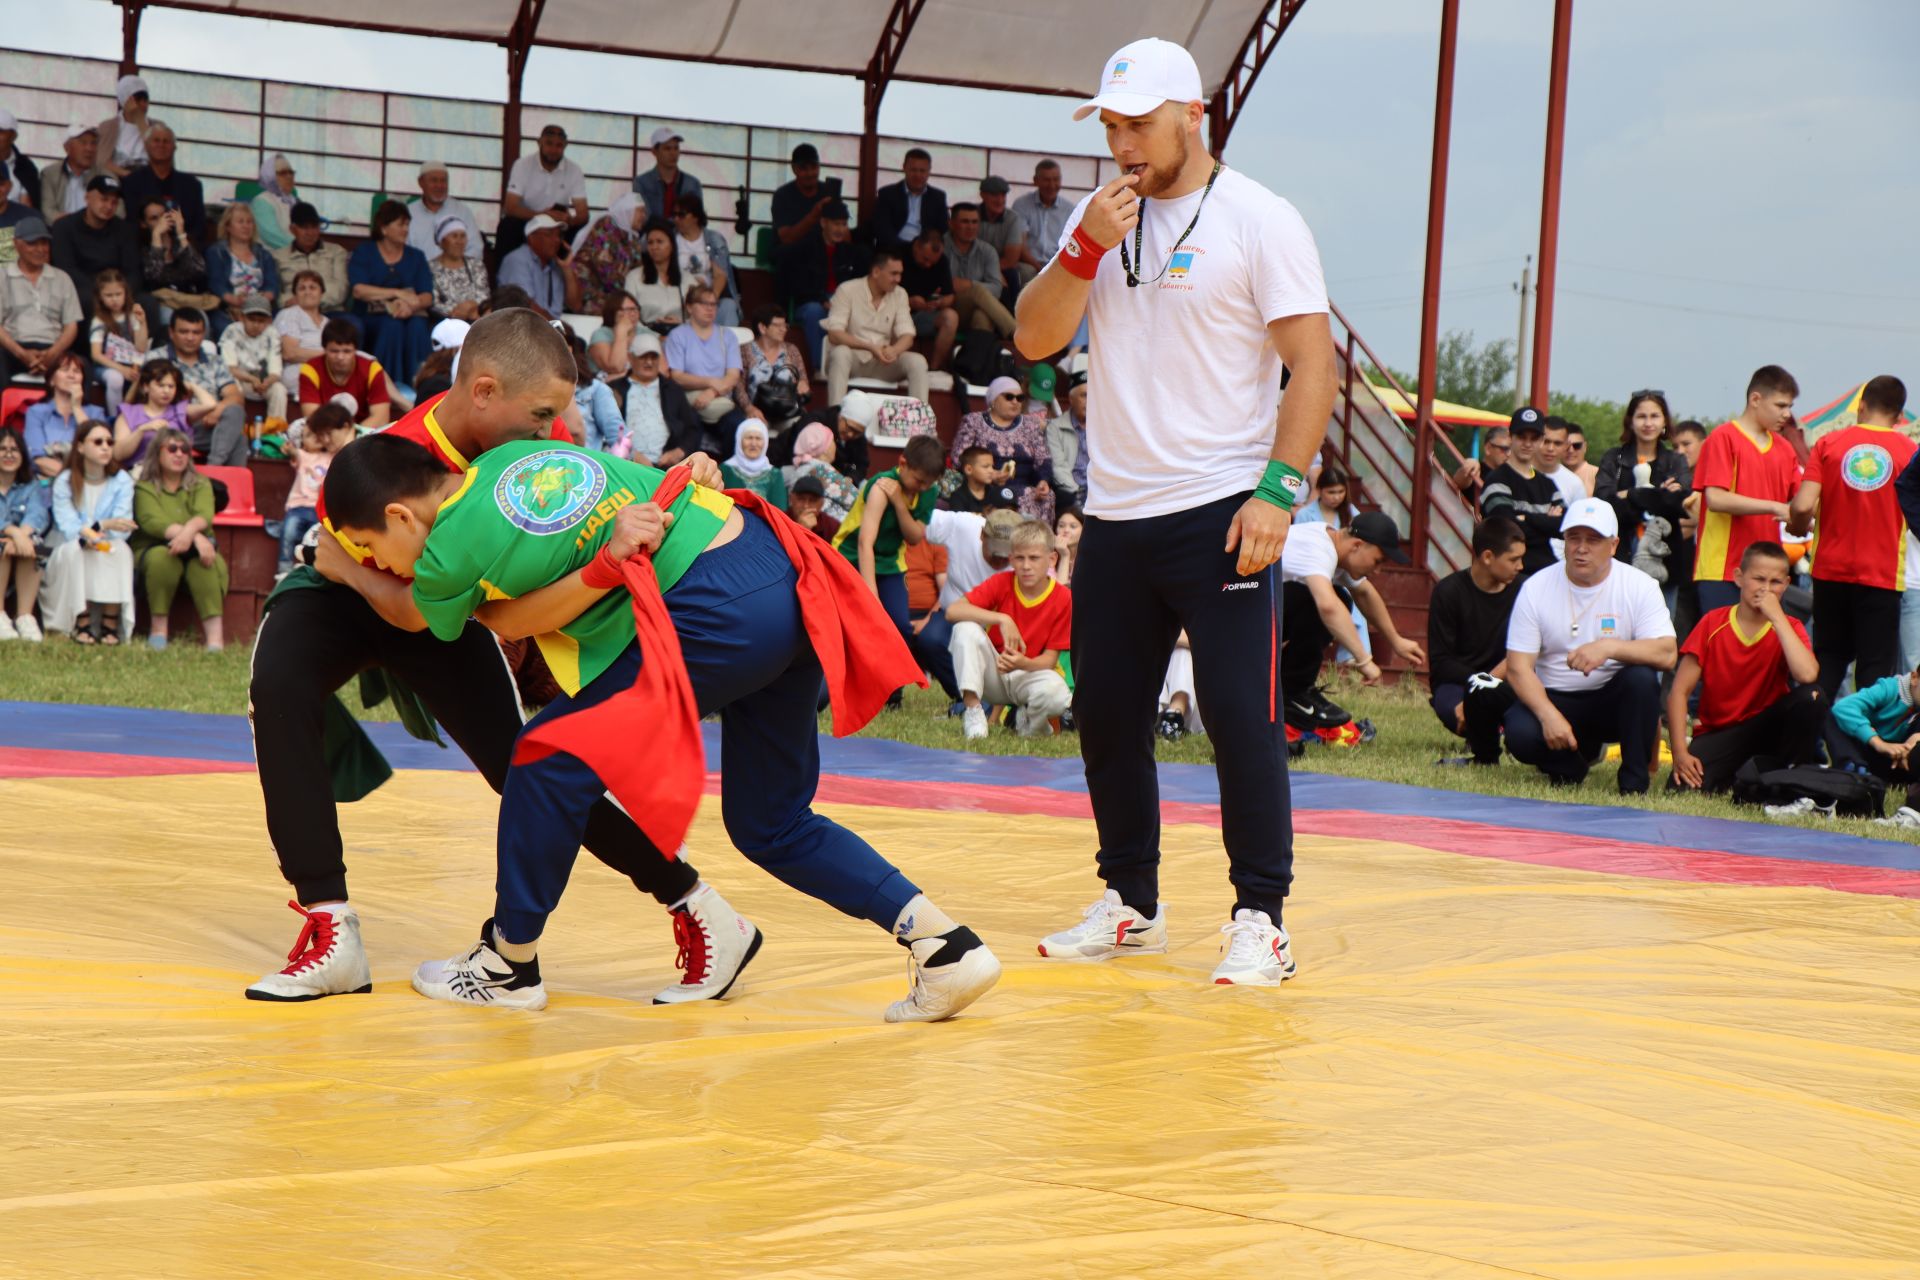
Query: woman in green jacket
{"x": 173, "y": 507}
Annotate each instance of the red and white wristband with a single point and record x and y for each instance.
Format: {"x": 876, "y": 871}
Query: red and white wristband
{"x": 1081, "y": 256}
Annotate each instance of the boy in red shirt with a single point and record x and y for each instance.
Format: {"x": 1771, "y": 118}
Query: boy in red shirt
{"x": 1748, "y": 659}
{"x": 1860, "y": 557}
{"x": 1745, "y": 476}
{"x": 343, "y": 370}
{"x": 1008, "y": 635}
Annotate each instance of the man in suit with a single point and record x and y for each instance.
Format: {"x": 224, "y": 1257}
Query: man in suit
{"x": 908, "y": 207}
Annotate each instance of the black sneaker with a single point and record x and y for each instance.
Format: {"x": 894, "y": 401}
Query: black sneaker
{"x": 1314, "y": 710}
{"x": 1173, "y": 725}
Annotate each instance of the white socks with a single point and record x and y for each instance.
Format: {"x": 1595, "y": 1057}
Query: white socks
{"x": 517, "y": 952}
{"x": 921, "y": 919}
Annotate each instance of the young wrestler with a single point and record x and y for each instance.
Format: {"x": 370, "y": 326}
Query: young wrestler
{"x": 744, "y": 588}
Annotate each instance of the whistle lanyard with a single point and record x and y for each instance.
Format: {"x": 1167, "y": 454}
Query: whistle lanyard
{"x": 1139, "y": 231}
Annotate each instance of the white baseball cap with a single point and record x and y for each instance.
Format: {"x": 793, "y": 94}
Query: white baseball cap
{"x": 542, "y": 222}
{"x": 10, "y": 125}
{"x": 1143, "y": 75}
{"x": 449, "y": 334}
{"x": 645, "y": 343}
{"x": 665, "y": 134}
{"x": 1591, "y": 513}
{"x": 73, "y": 131}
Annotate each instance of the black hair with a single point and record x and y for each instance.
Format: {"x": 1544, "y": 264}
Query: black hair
{"x": 973, "y": 451}
{"x": 1329, "y": 477}
{"x": 391, "y": 212}
{"x": 884, "y": 254}
{"x": 766, "y": 313}
{"x": 188, "y": 315}
{"x": 507, "y": 297}
{"x": 1496, "y": 534}
{"x": 965, "y": 206}
{"x": 917, "y": 153}
{"x": 337, "y": 332}
{"x": 1771, "y": 379}
{"x": 1633, "y": 403}
{"x": 1689, "y": 427}
{"x": 922, "y": 454}
{"x": 374, "y": 471}
{"x": 1885, "y": 394}
{"x": 648, "y": 271}
{"x": 693, "y": 206}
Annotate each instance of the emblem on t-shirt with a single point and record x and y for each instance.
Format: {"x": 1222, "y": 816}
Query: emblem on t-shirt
{"x": 550, "y": 491}
{"x": 1179, "y": 265}
{"x": 1609, "y": 626}
{"x": 1866, "y": 467}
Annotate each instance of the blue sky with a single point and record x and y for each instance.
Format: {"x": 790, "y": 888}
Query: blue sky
{"x": 1739, "y": 185}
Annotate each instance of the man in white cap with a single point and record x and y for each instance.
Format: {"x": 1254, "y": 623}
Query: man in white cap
{"x": 14, "y": 163}
{"x": 63, "y": 186}
{"x": 1586, "y": 644}
{"x": 535, "y": 267}
{"x": 664, "y": 186}
{"x": 125, "y": 132}
{"x": 1191, "y": 485}
{"x": 542, "y": 181}
{"x": 434, "y": 203}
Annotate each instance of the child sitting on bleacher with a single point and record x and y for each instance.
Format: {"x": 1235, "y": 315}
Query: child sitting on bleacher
{"x": 310, "y": 448}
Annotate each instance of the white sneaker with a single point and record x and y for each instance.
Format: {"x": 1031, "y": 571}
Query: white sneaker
{"x": 1028, "y": 725}
{"x": 1259, "y": 953}
{"x": 28, "y": 629}
{"x": 1111, "y": 928}
{"x": 327, "y": 959}
{"x": 949, "y": 973}
{"x": 973, "y": 723}
{"x": 7, "y": 631}
{"x": 483, "y": 976}
{"x": 1905, "y": 817}
{"x": 1804, "y": 807}
{"x": 715, "y": 944}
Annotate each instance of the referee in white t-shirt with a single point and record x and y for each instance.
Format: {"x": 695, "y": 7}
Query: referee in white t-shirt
{"x": 1198, "y": 284}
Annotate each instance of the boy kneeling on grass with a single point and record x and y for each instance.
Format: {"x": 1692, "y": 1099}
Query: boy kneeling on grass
{"x": 764, "y": 611}
{"x": 1008, "y": 635}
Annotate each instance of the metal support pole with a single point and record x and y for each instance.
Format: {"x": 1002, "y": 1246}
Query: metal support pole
{"x": 1550, "y": 202}
{"x": 519, "y": 45}
{"x": 870, "y": 148}
{"x": 1520, "y": 343}
{"x": 1423, "y": 428}
{"x": 880, "y": 69}
{"x": 130, "y": 11}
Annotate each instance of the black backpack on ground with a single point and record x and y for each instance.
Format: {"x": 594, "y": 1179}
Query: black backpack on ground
{"x": 1764, "y": 780}
{"x": 979, "y": 360}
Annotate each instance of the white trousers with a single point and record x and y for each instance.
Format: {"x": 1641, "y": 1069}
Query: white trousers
{"x": 1043, "y": 693}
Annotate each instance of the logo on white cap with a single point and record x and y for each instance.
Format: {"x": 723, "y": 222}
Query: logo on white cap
{"x": 1594, "y": 514}
{"x": 1143, "y": 75}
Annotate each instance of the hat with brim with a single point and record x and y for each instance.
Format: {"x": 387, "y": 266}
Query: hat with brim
{"x": 1378, "y": 529}
{"x": 1141, "y": 76}
{"x": 997, "y": 533}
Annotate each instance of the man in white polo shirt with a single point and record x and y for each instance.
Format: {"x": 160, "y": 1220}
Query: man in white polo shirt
{"x": 1215, "y": 285}
{"x": 1586, "y": 645}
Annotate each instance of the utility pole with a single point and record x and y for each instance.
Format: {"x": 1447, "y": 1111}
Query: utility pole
{"x": 1520, "y": 347}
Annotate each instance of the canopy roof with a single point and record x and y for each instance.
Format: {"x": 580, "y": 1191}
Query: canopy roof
{"x": 955, "y": 42}
{"x": 1843, "y": 412}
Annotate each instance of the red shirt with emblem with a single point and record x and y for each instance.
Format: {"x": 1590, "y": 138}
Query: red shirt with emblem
{"x": 1740, "y": 675}
{"x": 367, "y": 385}
{"x": 1730, "y": 460}
{"x": 1045, "y": 620}
{"x": 1861, "y": 535}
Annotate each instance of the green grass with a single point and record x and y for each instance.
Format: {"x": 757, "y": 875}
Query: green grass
{"x": 187, "y": 678}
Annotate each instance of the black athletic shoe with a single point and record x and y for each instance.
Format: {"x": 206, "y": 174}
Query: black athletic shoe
{"x": 1314, "y": 710}
{"x": 1173, "y": 725}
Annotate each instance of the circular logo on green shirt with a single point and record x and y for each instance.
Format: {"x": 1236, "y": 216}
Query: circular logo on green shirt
{"x": 1866, "y": 467}
{"x": 550, "y": 491}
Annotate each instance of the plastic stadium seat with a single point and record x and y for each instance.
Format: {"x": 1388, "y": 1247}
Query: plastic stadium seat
{"x": 582, "y": 324}
{"x": 240, "y": 511}
{"x": 245, "y": 189}
{"x": 763, "y": 243}
{"x": 14, "y": 402}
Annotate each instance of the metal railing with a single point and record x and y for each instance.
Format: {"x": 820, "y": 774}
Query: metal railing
{"x": 350, "y": 145}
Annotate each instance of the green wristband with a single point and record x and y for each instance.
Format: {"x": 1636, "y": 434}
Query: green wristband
{"x": 1282, "y": 486}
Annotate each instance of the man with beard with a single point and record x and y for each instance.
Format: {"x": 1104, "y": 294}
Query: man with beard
{"x": 1191, "y": 486}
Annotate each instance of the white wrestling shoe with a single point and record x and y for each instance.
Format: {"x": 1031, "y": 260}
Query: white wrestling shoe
{"x": 973, "y": 723}
{"x": 950, "y": 972}
{"x": 715, "y": 944}
{"x": 327, "y": 959}
{"x": 1111, "y": 928}
{"x": 483, "y": 976}
{"x": 1259, "y": 953}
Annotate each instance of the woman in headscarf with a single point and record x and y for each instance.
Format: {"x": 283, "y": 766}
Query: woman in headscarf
{"x": 750, "y": 468}
{"x": 123, "y": 135}
{"x": 274, "y": 205}
{"x": 1018, "y": 442}
{"x": 814, "y": 449}
{"x": 459, "y": 283}
{"x": 606, "y": 249}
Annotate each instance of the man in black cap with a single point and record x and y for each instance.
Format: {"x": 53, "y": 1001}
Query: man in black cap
{"x": 1523, "y": 493}
{"x": 1323, "y": 572}
{"x": 806, "y": 503}
{"x": 98, "y": 239}
{"x": 799, "y": 205}
{"x": 312, "y": 251}
{"x": 40, "y": 314}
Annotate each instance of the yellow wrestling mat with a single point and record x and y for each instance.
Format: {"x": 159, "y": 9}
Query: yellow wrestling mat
{"x": 1485, "y": 1068}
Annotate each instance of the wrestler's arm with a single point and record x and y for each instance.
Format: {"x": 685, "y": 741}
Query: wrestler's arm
{"x": 553, "y": 606}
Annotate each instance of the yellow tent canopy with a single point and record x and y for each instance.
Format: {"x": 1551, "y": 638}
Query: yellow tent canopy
{"x": 1457, "y": 415}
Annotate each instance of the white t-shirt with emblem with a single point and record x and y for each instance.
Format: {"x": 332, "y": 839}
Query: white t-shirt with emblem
{"x": 1627, "y": 605}
{"x": 1183, "y": 383}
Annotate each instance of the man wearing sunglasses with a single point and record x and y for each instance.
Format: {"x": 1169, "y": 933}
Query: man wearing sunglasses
{"x": 1198, "y": 285}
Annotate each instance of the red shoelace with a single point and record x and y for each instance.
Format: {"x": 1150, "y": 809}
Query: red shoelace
{"x": 693, "y": 948}
{"x": 314, "y": 942}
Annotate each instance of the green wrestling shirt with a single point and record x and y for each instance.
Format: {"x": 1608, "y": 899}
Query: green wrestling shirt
{"x": 530, "y": 513}
{"x": 889, "y": 555}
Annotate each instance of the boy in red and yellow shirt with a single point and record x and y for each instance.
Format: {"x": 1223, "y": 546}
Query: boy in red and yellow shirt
{"x": 1745, "y": 476}
{"x": 1008, "y": 635}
